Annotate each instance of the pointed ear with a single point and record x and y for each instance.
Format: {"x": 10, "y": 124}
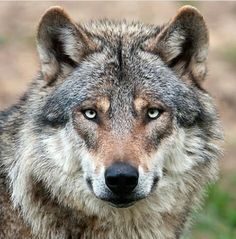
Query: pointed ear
{"x": 183, "y": 44}
{"x": 60, "y": 43}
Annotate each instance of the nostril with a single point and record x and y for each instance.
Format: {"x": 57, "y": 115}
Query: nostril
{"x": 121, "y": 178}
{"x": 112, "y": 181}
{"x": 132, "y": 180}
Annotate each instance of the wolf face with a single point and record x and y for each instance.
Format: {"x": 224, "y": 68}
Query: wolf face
{"x": 120, "y": 106}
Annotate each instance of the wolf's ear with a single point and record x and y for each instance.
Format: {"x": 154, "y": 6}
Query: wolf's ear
{"x": 60, "y": 42}
{"x": 183, "y": 44}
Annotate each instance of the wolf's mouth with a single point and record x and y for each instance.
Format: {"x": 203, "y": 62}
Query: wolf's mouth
{"x": 122, "y": 205}
{"x": 121, "y": 202}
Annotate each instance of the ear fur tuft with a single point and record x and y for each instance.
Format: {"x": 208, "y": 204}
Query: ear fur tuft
{"x": 183, "y": 43}
{"x": 60, "y": 42}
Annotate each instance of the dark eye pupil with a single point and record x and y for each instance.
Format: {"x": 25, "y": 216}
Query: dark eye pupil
{"x": 151, "y": 112}
{"x": 90, "y": 114}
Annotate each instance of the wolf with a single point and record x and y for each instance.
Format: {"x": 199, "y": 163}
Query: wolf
{"x": 116, "y": 136}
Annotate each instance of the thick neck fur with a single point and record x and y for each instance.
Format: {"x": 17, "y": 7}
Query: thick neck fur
{"x": 43, "y": 192}
{"x": 164, "y": 214}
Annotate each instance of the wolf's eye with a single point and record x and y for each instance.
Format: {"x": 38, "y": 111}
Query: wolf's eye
{"x": 90, "y": 114}
{"x": 153, "y": 113}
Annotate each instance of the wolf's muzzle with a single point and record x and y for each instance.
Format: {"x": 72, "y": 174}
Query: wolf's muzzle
{"x": 121, "y": 178}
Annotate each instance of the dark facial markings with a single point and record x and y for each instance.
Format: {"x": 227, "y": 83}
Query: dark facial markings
{"x": 150, "y": 124}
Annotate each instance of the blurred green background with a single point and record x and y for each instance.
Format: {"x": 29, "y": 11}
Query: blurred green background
{"x": 19, "y": 64}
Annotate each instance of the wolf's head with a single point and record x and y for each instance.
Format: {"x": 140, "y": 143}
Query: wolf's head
{"x": 119, "y": 106}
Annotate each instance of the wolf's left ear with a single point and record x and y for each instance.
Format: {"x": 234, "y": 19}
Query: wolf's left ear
{"x": 61, "y": 43}
{"x": 183, "y": 44}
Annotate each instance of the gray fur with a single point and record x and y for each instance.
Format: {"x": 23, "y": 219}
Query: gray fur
{"x": 44, "y": 161}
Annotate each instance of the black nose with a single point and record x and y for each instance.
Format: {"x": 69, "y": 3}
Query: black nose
{"x": 121, "y": 178}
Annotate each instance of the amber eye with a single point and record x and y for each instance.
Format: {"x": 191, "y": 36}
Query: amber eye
{"x": 153, "y": 113}
{"x": 90, "y": 114}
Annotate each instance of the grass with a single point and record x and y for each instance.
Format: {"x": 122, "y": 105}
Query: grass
{"x": 217, "y": 220}
{"x": 229, "y": 53}
{"x": 186, "y": 2}
{"x": 3, "y": 40}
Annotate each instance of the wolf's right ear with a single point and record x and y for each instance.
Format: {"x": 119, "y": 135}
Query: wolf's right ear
{"x": 183, "y": 44}
{"x": 60, "y": 42}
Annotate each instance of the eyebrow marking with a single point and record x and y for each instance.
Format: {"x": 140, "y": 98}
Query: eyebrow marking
{"x": 140, "y": 103}
{"x": 104, "y": 103}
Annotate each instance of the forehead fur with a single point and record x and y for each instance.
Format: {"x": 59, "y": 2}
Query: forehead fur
{"x": 111, "y": 31}
{"x": 122, "y": 66}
